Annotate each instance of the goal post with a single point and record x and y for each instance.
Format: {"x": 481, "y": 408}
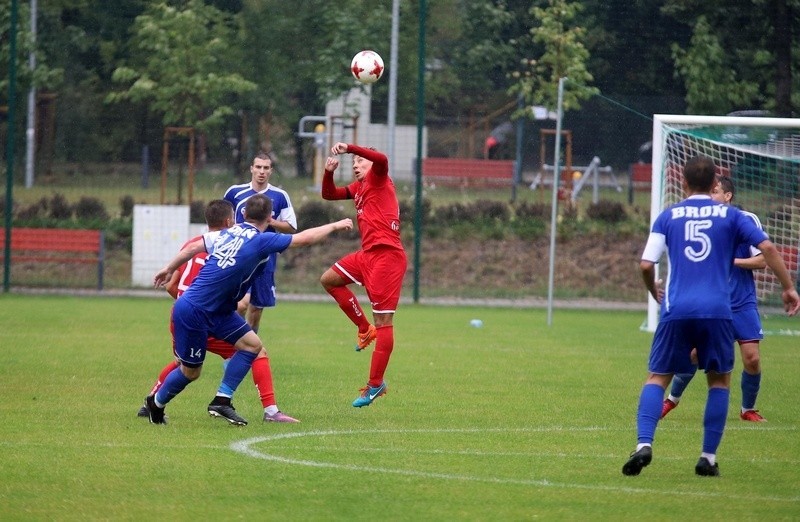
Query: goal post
{"x": 762, "y": 157}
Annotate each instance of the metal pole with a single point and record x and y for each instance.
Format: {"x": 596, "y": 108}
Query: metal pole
{"x": 392, "y": 116}
{"x": 554, "y": 209}
{"x": 517, "y": 178}
{"x": 12, "y": 101}
{"x": 30, "y": 133}
{"x": 418, "y": 167}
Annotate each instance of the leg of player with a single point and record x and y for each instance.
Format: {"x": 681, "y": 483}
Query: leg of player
{"x": 647, "y": 417}
{"x": 714, "y": 419}
{"x": 262, "y": 377}
{"x": 679, "y": 383}
{"x": 751, "y": 380}
{"x": 384, "y": 346}
{"x": 247, "y": 348}
{"x": 161, "y": 376}
{"x": 336, "y": 286}
{"x": 175, "y": 382}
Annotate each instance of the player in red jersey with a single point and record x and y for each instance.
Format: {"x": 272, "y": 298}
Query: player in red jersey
{"x": 219, "y": 215}
{"x": 379, "y": 266}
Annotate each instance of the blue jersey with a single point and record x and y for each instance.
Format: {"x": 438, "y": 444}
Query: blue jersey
{"x": 237, "y": 255}
{"x": 282, "y": 209}
{"x": 743, "y": 285}
{"x": 700, "y": 238}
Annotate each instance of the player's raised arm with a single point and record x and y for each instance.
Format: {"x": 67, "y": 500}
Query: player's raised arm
{"x": 329, "y": 189}
{"x": 310, "y": 236}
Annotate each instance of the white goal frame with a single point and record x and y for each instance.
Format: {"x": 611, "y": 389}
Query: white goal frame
{"x": 657, "y": 194}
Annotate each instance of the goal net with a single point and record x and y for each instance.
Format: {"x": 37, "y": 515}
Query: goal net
{"x": 762, "y": 157}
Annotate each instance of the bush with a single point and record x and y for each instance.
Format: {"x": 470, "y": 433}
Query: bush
{"x": 607, "y": 211}
{"x": 91, "y": 209}
{"x": 527, "y": 210}
{"x": 126, "y": 204}
{"x": 314, "y": 214}
{"x": 59, "y": 207}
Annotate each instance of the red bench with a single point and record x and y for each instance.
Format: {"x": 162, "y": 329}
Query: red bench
{"x": 56, "y": 245}
{"x": 465, "y": 172}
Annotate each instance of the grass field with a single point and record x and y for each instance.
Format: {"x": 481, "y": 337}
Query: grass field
{"x": 512, "y": 421}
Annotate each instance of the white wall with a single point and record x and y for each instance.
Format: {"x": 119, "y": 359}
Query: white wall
{"x": 159, "y": 231}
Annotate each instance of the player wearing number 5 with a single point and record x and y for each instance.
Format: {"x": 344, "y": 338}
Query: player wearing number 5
{"x": 700, "y": 238}
{"x": 208, "y": 307}
{"x": 379, "y": 266}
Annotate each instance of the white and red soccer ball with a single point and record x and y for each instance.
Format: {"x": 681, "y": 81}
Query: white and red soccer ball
{"x": 367, "y": 66}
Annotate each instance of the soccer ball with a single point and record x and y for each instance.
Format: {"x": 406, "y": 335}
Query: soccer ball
{"x": 367, "y": 67}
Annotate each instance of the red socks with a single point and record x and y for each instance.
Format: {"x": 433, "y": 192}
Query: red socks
{"x": 262, "y": 377}
{"x": 348, "y": 302}
{"x": 384, "y": 344}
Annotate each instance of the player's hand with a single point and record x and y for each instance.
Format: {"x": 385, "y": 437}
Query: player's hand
{"x": 161, "y": 278}
{"x": 344, "y": 224}
{"x": 659, "y": 291}
{"x": 791, "y": 301}
{"x": 331, "y": 164}
{"x": 339, "y": 148}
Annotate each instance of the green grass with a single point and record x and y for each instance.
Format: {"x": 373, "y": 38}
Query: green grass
{"x": 512, "y": 421}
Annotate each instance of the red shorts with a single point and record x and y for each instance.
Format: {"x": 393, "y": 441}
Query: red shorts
{"x": 380, "y": 271}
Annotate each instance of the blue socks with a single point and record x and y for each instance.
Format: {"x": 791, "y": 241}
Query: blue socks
{"x": 714, "y": 418}
{"x": 235, "y": 372}
{"x": 175, "y": 382}
{"x": 650, "y": 402}
{"x": 680, "y": 381}
{"x": 750, "y": 387}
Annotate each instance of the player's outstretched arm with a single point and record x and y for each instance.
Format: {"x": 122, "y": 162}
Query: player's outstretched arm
{"x": 310, "y": 236}
{"x": 187, "y": 252}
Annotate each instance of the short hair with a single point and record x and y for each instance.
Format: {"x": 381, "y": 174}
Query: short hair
{"x": 262, "y": 156}
{"x": 217, "y": 212}
{"x": 700, "y": 173}
{"x": 258, "y": 208}
{"x": 726, "y": 184}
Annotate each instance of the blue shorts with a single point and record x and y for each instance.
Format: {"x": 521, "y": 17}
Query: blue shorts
{"x": 674, "y": 340}
{"x": 192, "y": 327}
{"x": 747, "y": 325}
{"x": 262, "y": 290}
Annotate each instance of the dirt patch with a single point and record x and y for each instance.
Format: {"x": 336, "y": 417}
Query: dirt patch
{"x": 601, "y": 266}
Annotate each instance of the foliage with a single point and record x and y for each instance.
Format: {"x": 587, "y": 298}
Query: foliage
{"x": 607, "y": 211}
{"x": 711, "y": 83}
{"x": 43, "y": 76}
{"x": 564, "y": 55}
{"x": 90, "y": 208}
{"x": 182, "y": 64}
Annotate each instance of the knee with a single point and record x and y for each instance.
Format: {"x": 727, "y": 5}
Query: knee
{"x": 191, "y": 373}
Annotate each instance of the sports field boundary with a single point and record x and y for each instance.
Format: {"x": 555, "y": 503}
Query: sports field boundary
{"x": 527, "y": 302}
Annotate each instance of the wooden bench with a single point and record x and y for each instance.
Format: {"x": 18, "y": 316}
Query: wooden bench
{"x": 56, "y": 245}
{"x": 466, "y": 172}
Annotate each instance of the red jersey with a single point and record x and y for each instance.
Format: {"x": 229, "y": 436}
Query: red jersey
{"x": 375, "y": 199}
{"x": 190, "y": 269}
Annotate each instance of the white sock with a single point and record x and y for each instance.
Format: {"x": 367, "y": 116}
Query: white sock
{"x": 674, "y": 399}
{"x": 711, "y": 457}
{"x": 642, "y": 445}
{"x": 271, "y": 410}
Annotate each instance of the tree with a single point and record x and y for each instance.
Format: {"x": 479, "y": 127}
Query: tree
{"x": 712, "y": 86}
{"x": 43, "y": 76}
{"x": 757, "y": 36}
{"x": 182, "y": 65}
{"x": 563, "y": 55}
